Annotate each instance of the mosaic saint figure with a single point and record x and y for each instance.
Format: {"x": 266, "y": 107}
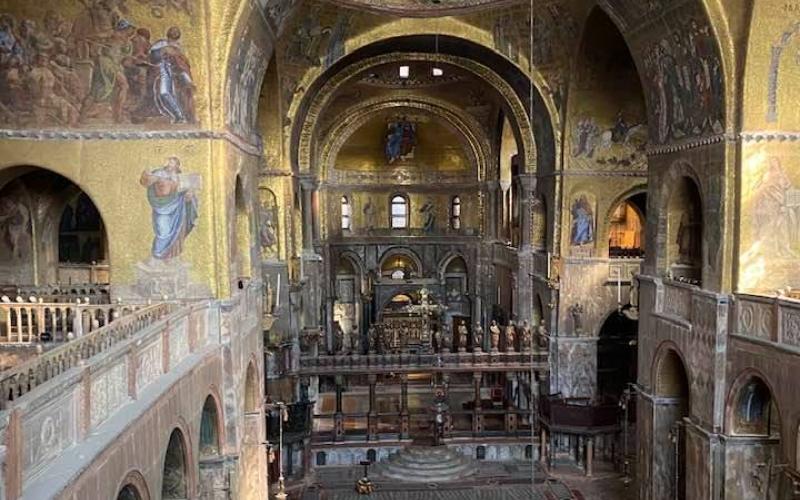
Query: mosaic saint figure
{"x": 175, "y": 88}
{"x": 775, "y": 215}
{"x": 369, "y": 215}
{"x": 582, "y": 222}
{"x": 541, "y": 335}
{"x": 429, "y": 214}
{"x": 400, "y": 140}
{"x": 14, "y": 225}
{"x": 267, "y": 233}
{"x": 173, "y": 198}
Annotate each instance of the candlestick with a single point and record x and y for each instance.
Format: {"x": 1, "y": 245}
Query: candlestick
{"x": 548, "y": 265}
{"x": 302, "y": 268}
{"x": 278, "y": 293}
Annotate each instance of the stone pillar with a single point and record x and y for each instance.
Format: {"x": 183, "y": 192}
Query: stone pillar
{"x": 543, "y": 452}
{"x": 369, "y": 318}
{"x": 491, "y": 212}
{"x": 329, "y": 340}
{"x": 307, "y": 188}
{"x": 372, "y": 416}
{"x": 405, "y": 419}
{"x": 477, "y": 308}
{"x": 477, "y": 416}
{"x": 589, "y": 455}
{"x": 505, "y": 210}
{"x": 253, "y": 458}
{"x": 527, "y": 194}
{"x": 534, "y": 403}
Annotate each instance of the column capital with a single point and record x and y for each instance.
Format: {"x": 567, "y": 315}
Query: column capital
{"x": 308, "y": 182}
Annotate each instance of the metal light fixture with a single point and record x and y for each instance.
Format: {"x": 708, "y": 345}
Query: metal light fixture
{"x": 284, "y": 415}
{"x": 436, "y": 71}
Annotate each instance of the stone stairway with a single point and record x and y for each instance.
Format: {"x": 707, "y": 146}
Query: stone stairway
{"x": 426, "y": 464}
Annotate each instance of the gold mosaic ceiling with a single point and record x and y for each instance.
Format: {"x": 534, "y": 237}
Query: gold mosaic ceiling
{"x": 423, "y": 8}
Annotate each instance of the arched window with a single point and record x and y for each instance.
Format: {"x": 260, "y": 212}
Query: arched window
{"x": 455, "y": 212}
{"x": 129, "y": 492}
{"x": 399, "y": 211}
{"x": 347, "y": 213}
{"x": 174, "y": 482}
{"x": 209, "y": 433}
{"x": 685, "y": 231}
{"x": 755, "y": 412}
{"x": 626, "y": 230}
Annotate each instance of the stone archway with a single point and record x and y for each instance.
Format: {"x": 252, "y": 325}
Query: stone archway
{"x": 670, "y": 408}
{"x": 175, "y": 477}
{"x": 129, "y": 492}
{"x": 51, "y": 231}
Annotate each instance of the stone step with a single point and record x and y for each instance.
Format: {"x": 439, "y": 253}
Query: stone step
{"x": 426, "y": 465}
{"x": 414, "y": 467}
{"x": 430, "y": 454}
{"x": 406, "y": 461}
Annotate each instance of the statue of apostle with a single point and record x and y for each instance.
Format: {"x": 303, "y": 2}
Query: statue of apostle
{"x": 541, "y": 335}
{"x": 463, "y": 335}
{"x": 494, "y": 331}
{"x": 477, "y": 338}
{"x": 511, "y": 336}
{"x": 526, "y": 336}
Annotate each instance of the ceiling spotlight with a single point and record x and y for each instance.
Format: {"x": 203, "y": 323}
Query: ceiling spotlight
{"x": 437, "y": 71}
{"x": 405, "y": 71}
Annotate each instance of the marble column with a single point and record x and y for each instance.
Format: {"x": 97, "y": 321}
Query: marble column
{"x": 308, "y": 187}
{"x": 505, "y": 210}
{"x": 477, "y": 416}
{"x": 524, "y": 285}
{"x": 589, "y": 455}
{"x": 492, "y": 189}
{"x": 372, "y": 416}
{"x": 405, "y": 419}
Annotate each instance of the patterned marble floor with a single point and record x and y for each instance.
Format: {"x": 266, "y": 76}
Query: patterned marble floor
{"x": 492, "y": 482}
{"x": 505, "y": 493}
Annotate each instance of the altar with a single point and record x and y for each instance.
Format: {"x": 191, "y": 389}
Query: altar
{"x": 405, "y": 332}
{"x": 410, "y": 326}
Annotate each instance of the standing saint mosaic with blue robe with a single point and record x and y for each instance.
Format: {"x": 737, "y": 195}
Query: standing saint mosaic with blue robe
{"x": 582, "y": 222}
{"x": 400, "y": 140}
{"x": 174, "y": 202}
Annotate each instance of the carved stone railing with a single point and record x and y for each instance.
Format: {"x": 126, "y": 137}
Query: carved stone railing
{"x": 418, "y": 232}
{"x": 26, "y": 323}
{"x": 375, "y": 363}
{"x": 97, "y": 294}
{"x": 64, "y": 397}
{"x": 674, "y": 299}
{"x": 772, "y": 319}
{"x": 27, "y": 376}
